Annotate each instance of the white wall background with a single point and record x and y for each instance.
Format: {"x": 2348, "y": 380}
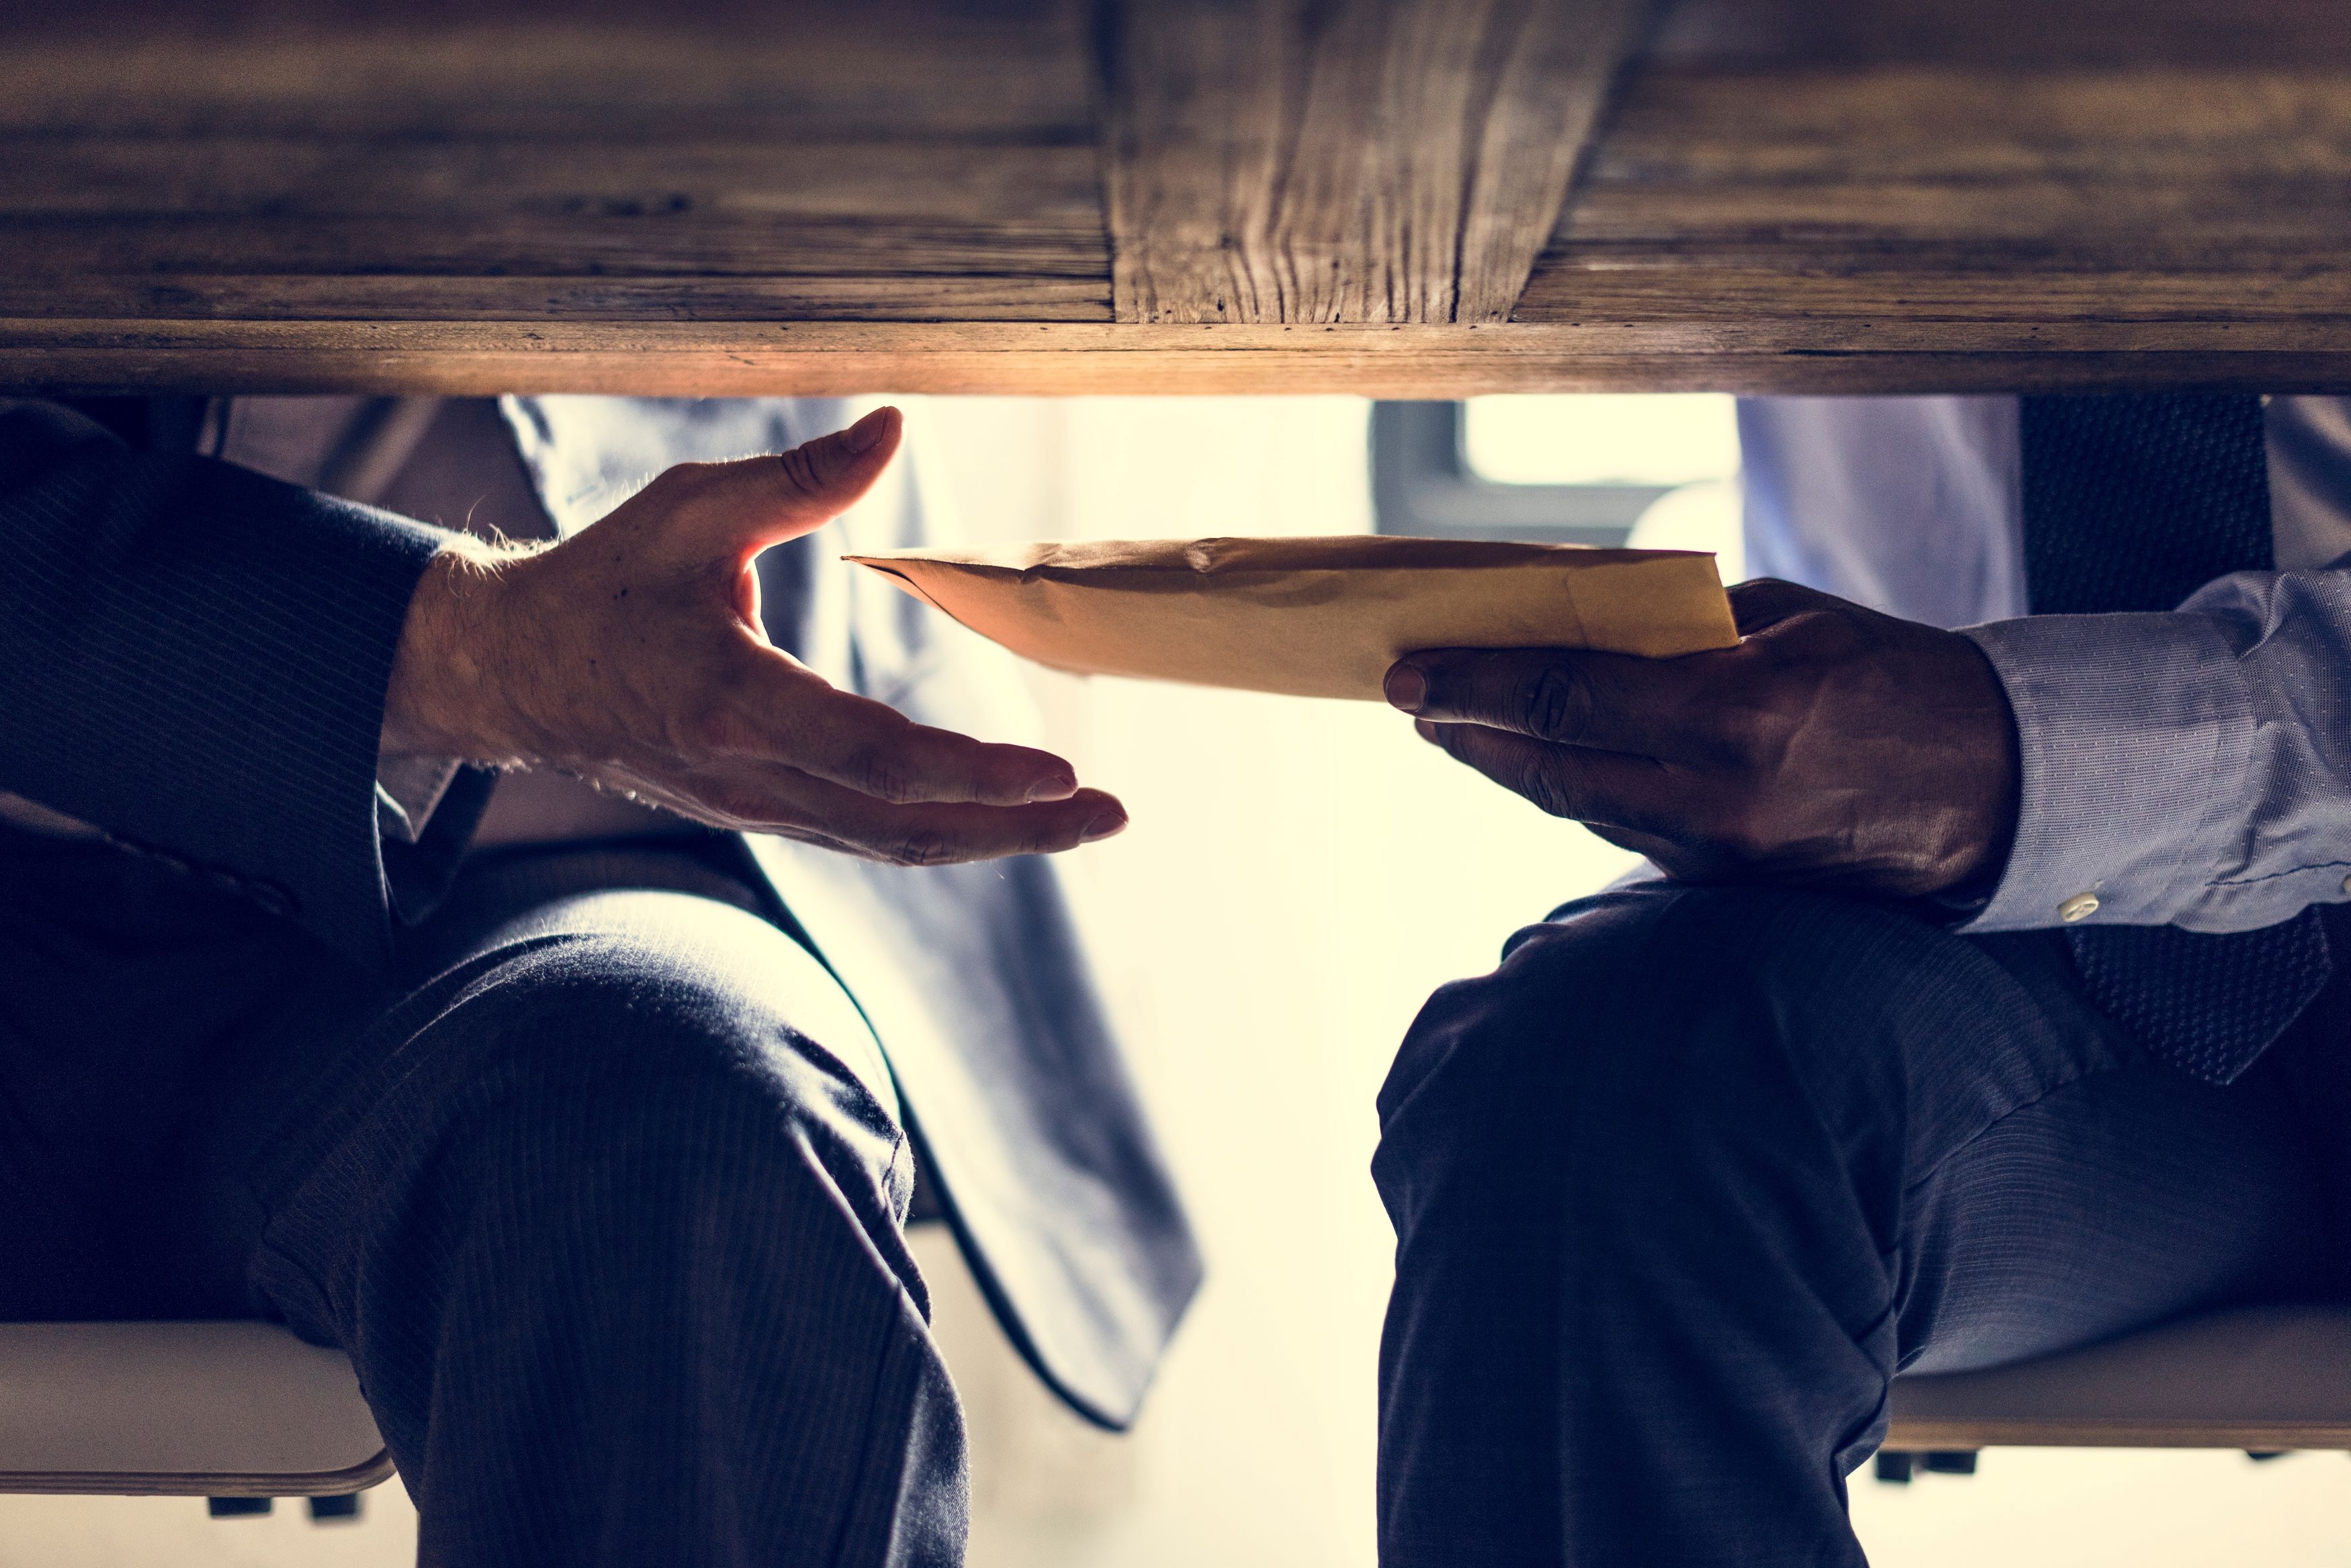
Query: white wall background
{"x": 1297, "y": 878}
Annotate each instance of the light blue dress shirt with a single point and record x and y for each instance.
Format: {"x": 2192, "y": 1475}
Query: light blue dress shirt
{"x": 2189, "y": 768}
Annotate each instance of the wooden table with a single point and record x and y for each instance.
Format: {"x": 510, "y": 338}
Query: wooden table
{"x": 1422, "y": 198}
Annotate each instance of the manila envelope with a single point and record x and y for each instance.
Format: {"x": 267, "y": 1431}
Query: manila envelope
{"x": 1307, "y": 616}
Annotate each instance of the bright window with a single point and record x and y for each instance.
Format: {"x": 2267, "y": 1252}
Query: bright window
{"x": 1681, "y": 438}
{"x": 1656, "y": 471}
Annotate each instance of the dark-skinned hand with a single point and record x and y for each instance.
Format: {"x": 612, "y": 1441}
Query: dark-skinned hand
{"x": 1834, "y": 747}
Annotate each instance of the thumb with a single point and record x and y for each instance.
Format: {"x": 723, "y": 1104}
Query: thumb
{"x": 770, "y": 499}
{"x": 1763, "y": 602}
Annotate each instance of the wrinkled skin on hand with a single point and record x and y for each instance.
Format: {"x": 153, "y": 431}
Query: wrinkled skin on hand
{"x": 1834, "y": 747}
{"x": 632, "y": 656}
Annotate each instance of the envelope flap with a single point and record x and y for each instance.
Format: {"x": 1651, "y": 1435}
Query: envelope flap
{"x": 1222, "y": 557}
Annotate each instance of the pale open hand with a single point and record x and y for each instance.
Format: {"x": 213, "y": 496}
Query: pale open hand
{"x": 631, "y": 655}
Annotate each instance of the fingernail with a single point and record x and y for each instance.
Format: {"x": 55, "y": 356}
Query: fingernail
{"x": 861, "y": 436}
{"x": 1054, "y": 787}
{"x": 1102, "y": 826}
{"x": 1407, "y": 688}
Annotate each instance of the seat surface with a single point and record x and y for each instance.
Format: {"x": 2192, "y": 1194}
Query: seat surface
{"x": 219, "y": 1409}
{"x": 2259, "y": 1378}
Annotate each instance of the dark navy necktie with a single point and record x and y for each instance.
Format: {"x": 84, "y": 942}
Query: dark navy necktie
{"x": 2133, "y": 504}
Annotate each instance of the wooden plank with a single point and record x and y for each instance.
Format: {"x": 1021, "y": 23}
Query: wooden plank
{"x": 237, "y": 158}
{"x": 685, "y": 241}
{"x": 1282, "y": 161}
{"x": 1909, "y": 163}
{"x": 773, "y": 195}
{"x": 714, "y": 360}
{"x": 898, "y": 69}
{"x": 870, "y": 176}
{"x": 839, "y": 294}
{"x": 1814, "y": 173}
{"x": 2023, "y": 34}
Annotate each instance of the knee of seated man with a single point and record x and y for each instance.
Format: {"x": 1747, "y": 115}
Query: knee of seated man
{"x": 648, "y": 1039}
{"x": 1636, "y": 1012}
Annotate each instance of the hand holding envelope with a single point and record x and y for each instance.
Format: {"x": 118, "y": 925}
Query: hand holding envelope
{"x": 1828, "y": 746}
{"x": 1311, "y": 617}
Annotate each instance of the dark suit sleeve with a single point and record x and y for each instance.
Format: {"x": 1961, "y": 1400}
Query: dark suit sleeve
{"x": 194, "y": 658}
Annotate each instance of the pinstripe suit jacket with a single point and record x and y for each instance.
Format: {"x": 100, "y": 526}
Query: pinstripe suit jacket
{"x": 194, "y": 657}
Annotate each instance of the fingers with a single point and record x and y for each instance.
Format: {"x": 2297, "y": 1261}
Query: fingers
{"x": 1603, "y": 700}
{"x": 934, "y": 835}
{"x": 1767, "y": 601}
{"x": 815, "y": 811}
{"x": 790, "y": 715}
{"x": 744, "y": 506}
{"x": 823, "y": 478}
{"x": 1639, "y": 794}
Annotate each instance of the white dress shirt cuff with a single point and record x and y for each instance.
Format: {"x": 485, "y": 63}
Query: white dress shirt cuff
{"x": 2135, "y": 733}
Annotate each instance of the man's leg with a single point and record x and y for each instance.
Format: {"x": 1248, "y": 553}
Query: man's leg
{"x": 607, "y": 1216}
{"x": 1681, "y": 1185}
{"x": 605, "y": 1205}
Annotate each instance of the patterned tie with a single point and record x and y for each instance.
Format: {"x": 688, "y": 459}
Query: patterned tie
{"x": 2133, "y": 504}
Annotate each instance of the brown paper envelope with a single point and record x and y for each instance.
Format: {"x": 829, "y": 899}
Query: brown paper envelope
{"x": 1311, "y": 618}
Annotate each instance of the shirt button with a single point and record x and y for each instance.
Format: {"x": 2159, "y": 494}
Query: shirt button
{"x": 2346, "y": 884}
{"x": 2078, "y": 908}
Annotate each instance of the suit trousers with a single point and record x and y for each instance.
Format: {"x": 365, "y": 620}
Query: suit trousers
{"x": 1680, "y": 1185}
{"x": 602, "y": 1193}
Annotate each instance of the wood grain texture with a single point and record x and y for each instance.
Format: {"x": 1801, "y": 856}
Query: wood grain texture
{"x": 753, "y": 196}
{"x": 1307, "y": 161}
{"x": 908, "y": 162}
{"x": 2024, "y": 34}
{"x": 714, "y": 360}
{"x": 1834, "y": 179}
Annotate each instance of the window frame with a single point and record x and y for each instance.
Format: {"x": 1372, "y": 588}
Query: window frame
{"x": 1423, "y": 486}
